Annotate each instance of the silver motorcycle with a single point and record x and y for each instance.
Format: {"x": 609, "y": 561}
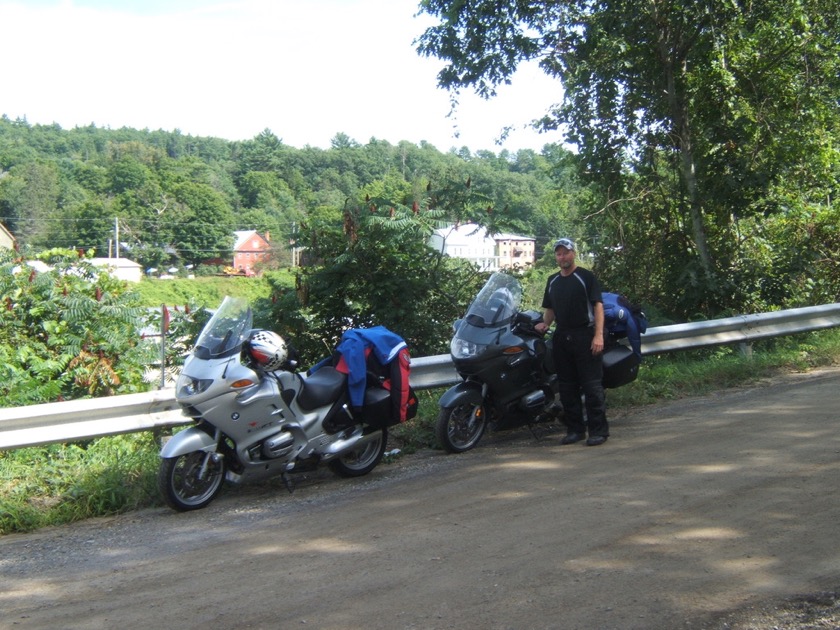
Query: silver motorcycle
{"x": 256, "y": 417}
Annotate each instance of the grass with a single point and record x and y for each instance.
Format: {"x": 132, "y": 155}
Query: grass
{"x": 62, "y": 483}
{"x": 202, "y": 291}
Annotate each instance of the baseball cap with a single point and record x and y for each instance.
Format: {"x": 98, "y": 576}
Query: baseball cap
{"x": 564, "y": 242}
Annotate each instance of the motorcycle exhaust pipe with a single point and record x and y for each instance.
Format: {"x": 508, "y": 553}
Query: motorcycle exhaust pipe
{"x": 534, "y": 400}
{"x": 355, "y": 440}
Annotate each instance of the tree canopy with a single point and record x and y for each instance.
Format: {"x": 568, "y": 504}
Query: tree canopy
{"x": 698, "y": 125}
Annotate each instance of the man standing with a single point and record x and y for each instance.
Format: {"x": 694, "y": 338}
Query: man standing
{"x": 572, "y": 301}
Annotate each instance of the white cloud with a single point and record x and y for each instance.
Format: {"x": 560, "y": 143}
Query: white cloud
{"x": 305, "y": 70}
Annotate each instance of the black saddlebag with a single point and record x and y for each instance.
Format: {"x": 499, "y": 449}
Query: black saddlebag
{"x": 621, "y": 366}
{"x": 381, "y": 409}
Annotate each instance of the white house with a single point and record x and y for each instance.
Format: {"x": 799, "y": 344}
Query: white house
{"x": 122, "y": 268}
{"x": 468, "y": 241}
{"x": 490, "y": 253}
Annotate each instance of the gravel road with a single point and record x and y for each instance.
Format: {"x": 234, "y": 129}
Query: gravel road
{"x": 716, "y": 512}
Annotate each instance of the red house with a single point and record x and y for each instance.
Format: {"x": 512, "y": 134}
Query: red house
{"x": 251, "y": 249}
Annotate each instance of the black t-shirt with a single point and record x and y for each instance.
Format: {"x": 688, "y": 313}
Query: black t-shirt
{"x": 571, "y": 298}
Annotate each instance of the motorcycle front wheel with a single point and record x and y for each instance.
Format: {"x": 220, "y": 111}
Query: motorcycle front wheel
{"x": 191, "y": 481}
{"x": 362, "y": 460}
{"x": 459, "y": 428}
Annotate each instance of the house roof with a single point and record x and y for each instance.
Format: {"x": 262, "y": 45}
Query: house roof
{"x": 471, "y": 233}
{"x": 506, "y": 236}
{"x": 242, "y": 237}
{"x": 117, "y": 263}
{"x": 462, "y": 234}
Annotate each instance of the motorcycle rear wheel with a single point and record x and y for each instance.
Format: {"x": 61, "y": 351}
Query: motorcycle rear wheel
{"x": 459, "y": 428}
{"x": 181, "y": 484}
{"x": 362, "y": 460}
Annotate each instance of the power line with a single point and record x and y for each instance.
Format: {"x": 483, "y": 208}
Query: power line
{"x": 129, "y": 222}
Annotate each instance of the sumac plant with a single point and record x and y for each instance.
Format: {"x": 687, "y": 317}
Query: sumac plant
{"x": 68, "y": 329}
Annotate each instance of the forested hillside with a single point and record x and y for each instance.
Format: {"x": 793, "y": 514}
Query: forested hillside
{"x": 179, "y": 198}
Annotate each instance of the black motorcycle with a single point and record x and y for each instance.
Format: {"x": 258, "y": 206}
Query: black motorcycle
{"x": 508, "y": 369}
{"x": 506, "y": 365}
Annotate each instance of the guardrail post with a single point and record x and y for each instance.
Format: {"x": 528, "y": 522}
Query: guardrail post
{"x": 164, "y": 328}
{"x": 746, "y": 350}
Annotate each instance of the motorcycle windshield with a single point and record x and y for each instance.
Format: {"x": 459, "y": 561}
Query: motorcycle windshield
{"x": 496, "y": 303}
{"x": 487, "y": 316}
{"x": 226, "y": 331}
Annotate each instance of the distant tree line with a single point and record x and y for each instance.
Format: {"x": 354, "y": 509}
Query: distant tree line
{"x": 178, "y": 199}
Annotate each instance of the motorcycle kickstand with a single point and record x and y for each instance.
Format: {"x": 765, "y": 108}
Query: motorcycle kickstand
{"x": 287, "y": 481}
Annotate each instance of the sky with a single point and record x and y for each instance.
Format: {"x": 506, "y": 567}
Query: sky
{"x": 304, "y": 69}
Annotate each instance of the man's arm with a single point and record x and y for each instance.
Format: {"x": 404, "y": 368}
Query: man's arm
{"x": 548, "y": 320}
{"x": 598, "y": 337}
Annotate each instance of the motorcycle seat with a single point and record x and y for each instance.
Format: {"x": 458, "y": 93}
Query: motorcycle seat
{"x": 321, "y": 388}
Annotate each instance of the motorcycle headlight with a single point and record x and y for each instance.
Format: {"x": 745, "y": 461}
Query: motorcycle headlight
{"x": 188, "y": 386}
{"x": 462, "y": 349}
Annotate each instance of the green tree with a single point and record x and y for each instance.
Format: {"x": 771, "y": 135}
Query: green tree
{"x": 369, "y": 265}
{"x": 684, "y": 115}
{"x": 128, "y": 174}
{"x": 205, "y": 227}
{"x": 93, "y": 227}
{"x": 29, "y": 195}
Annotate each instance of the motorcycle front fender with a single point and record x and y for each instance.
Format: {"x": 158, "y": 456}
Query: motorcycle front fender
{"x": 188, "y": 441}
{"x": 465, "y": 393}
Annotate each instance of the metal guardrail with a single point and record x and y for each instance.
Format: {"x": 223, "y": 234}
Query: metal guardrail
{"x": 90, "y": 418}
{"x": 740, "y": 328}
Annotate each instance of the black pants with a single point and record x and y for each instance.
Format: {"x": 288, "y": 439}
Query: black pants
{"x": 580, "y": 373}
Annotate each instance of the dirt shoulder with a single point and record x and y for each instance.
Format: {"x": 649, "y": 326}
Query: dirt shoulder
{"x": 716, "y": 512}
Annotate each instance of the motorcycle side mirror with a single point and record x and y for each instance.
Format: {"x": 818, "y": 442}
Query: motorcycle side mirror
{"x": 525, "y": 322}
{"x": 457, "y": 324}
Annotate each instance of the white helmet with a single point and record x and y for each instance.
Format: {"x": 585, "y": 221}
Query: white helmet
{"x": 267, "y": 349}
